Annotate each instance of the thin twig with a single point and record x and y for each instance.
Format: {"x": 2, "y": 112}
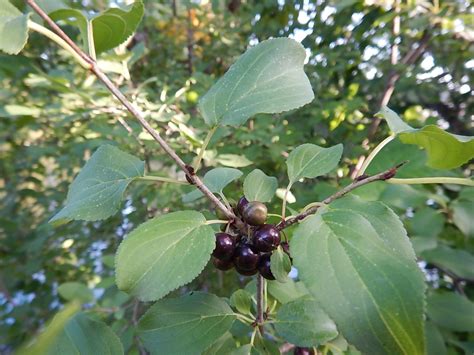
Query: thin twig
{"x": 191, "y": 177}
{"x": 361, "y": 181}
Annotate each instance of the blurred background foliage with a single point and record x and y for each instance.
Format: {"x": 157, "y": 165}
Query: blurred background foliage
{"x": 53, "y": 115}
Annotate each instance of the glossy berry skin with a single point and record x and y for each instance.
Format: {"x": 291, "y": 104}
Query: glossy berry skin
{"x": 245, "y": 258}
{"x": 255, "y": 213}
{"x": 303, "y": 351}
{"x": 225, "y": 246}
{"x": 266, "y": 238}
{"x": 246, "y": 272}
{"x": 264, "y": 267}
{"x": 223, "y": 265}
{"x": 241, "y": 204}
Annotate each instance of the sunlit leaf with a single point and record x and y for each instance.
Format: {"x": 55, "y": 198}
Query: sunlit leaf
{"x": 268, "y": 78}
{"x": 259, "y": 187}
{"x": 310, "y": 161}
{"x": 445, "y": 150}
{"x": 13, "y": 28}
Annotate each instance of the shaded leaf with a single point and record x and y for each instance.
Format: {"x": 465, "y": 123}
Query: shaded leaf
{"x": 434, "y": 340}
{"x": 164, "y": 253}
{"x": 280, "y": 265}
{"x": 242, "y": 301}
{"x": 303, "y": 323}
{"x": 451, "y": 310}
{"x": 356, "y": 260}
{"x": 259, "y": 187}
{"x": 288, "y": 291}
{"x": 110, "y": 28}
{"x": 97, "y": 192}
{"x": 188, "y": 324}
{"x": 216, "y": 180}
{"x": 84, "y": 335}
{"x": 459, "y": 262}
{"x": 268, "y": 78}
{"x": 310, "y": 161}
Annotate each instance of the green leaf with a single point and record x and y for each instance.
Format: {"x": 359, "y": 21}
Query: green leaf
{"x": 303, "y": 323}
{"x": 110, "y": 28}
{"x": 434, "y": 340}
{"x": 288, "y": 291}
{"x": 216, "y": 180}
{"x": 462, "y": 209}
{"x": 233, "y": 160}
{"x": 163, "y": 254}
{"x": 113, "y": 26}
{"x": 460, "y": 262}
{"x": 75, "y": 290}
{"x": 451, "y": 311}
{"x": 13, "y": 28}
{"x": 48, "y": 338}
{"x": 185, "y": 325}
{"x": 259, "y": 187}
{"x": 280, "y": 265}
{"x": 223, "y": 346}
{"x": 310, "y": 161}
{"x": 242, "y": 301}
{"x": 83, "y": 335}
{"x": 356, "y": 260}
{"x": 268, "y": 78}
{"x": 427, "y": 222}
{"x": 445, "y": 150}
{"x": 97, "y": 192}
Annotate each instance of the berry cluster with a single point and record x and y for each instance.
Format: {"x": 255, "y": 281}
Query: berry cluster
{"x": 251, "y": 253}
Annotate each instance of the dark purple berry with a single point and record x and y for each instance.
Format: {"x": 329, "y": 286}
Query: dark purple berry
{"x": 255, "y": 213}
{"x": 246, "y": 272}
{"x": 264, "y": 267}
{"x": 245, "y": 258}
{"x": 303, "y": 351}
{"x": 222, "y": 264}
{"x": 225, "y": 246}
{"x": 241, "y": 204}
{"x": 266, "y": 238}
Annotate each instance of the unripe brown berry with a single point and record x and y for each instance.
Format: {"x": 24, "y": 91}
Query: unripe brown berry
{"x": 255, "y": 213}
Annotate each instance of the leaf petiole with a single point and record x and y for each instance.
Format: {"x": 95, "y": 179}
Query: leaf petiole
{"x": 432, "y": 180}
{"x": 203, "y": 148}
{"x": 162, "y": 179}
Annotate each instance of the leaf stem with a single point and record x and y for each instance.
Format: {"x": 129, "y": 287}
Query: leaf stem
{"x": 433, "y": 180}
{"x": 216, "y": 221}
{"x": 243, "y": 318}
{"x": 373, "y": 153}
{"x": 90, "y": 40}
{"x": 203, "y": 148}
{"x": 283, "y": 206}
{"x": 58, "y": 40}
{"x": 162, "y": 179}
